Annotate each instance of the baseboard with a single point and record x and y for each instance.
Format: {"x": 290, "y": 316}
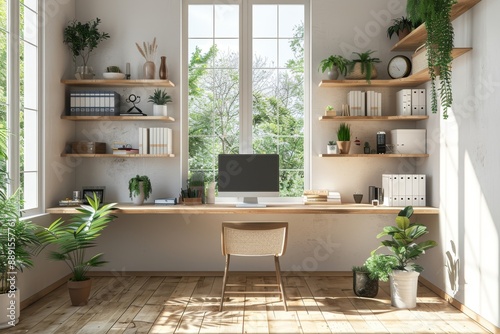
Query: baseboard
{"x": 216, "y": 273}
{"x": 464, "y": 309}
{"x": 42, "y": 293}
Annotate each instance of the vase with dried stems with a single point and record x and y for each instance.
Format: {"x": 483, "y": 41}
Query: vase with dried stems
{"x": 148, "y": 51}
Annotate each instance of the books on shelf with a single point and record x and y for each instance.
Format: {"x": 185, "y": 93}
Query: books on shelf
{"x": 367, "y": 103}
{"x": 94, "y": 103}
{"x": 321, "y": 197}
{"x": 155, "y": 141}
{"x": 125, "y": 151}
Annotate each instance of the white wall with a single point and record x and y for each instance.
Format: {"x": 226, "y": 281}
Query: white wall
{"x": 462, "y": 170}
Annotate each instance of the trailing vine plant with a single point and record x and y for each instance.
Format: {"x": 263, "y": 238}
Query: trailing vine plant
{"x": 439, "y": 45}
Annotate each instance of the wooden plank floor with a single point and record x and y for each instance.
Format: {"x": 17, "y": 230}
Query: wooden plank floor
{"x": 317, "y": 304}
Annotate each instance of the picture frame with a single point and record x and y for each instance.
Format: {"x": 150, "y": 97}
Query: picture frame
{"x": 89, "y": 190}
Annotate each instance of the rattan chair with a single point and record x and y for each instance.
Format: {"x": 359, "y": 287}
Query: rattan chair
{"x": 254, "y": 239}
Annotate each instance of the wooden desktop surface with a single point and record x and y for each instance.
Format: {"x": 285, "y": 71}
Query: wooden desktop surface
{"x": 127, "y": 208}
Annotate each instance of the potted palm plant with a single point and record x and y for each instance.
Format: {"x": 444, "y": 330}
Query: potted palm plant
{"x": 335, "y": 64}
{"x": 17, "y": 244}
{"x": 72, "y": 239}
{"x": 344, "y": 138}
{"x": 399, "y": 266}
{"x": 160, "y": 98}
{"x": 401, "y": 27}
{"x": 363, "y": 67}
{"x": 82, "y": 39}
{"x": 139, "y": 188}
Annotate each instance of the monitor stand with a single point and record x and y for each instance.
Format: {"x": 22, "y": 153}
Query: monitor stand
{"x": 250, "y": 202}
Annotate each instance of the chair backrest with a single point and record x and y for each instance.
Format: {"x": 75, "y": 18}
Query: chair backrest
{"x": 254, "y": 238}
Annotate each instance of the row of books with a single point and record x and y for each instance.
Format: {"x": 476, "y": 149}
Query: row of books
{"x": 321, "y": 197}
{"x": 404, "y": 189}
{"x": 94, "y": 103}
{"x": 155, "y": 141}
{"x": 411, "y": 102}
{"x": 367, "y": 103}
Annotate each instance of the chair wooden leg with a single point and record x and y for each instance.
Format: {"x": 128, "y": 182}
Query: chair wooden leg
{"x": 224, "y": 281}
{"x": 280, "y": 281}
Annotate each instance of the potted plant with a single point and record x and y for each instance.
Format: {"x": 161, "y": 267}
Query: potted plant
{"x": 334, "y": 64}
{"x": 402, "y": 271}
{"x": 17, "y": 244}
{"x": 363, "y": 67}
{"x": 344, "y": 138}
{"x": 82, "y": 39}
{"x": 331, "y": 148}
{"x": 139, "y": 188}
{"x": 159, "y": 100}
{"x": 362, "y": 284}
{"x": 330, "y": 111}
{"x": 439, "y": 45}
{"x": 72, "y": 239}
{"x": 401, "y": 26}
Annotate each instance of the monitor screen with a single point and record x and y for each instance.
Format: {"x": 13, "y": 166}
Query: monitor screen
{"x": 248, "y": 176}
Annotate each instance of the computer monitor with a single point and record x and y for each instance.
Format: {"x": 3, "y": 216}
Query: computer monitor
{"x": 249, "y": 176}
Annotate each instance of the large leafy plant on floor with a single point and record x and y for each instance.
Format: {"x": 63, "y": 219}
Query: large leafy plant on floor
{"x": 439, "y": 44}
{"x": 73, "y": 238}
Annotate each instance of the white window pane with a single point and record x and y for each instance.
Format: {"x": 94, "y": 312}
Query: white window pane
{"x": 3, "y": 18}
{"x": 265, "y": 53}
{"x": 30, "y": 190}
{"x": 28, "y": 26}
{"x": 228, "y": 49}
{"x": 265, "y": 21}
{"x": 31, "y": 4}
{"x": 290, "y": 16}
{"x": 285, "y": 52}
{"x": 3, "y": 68}
{"x": 227, "y": 21}
{"x": 30, "y": 76}
{"x": 30, "y": 140}
{"x": 200, "y": 21}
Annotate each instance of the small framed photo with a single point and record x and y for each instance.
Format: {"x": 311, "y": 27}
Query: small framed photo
{"x": 90, "y": 190}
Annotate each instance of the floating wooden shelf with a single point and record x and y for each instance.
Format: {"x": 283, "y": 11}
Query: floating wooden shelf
{"x": 118, "y": 83}
{"x": 374, "y": 156}
{"x": 418, "y": 36}
{"x": 119, "y": 118}
{"x": 374, "y": 118}
{"x": 119, "y": 156}
{"x": 410, "y": 81}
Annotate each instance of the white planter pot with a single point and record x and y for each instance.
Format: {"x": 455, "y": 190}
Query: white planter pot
{"x": 331, "y": 149}
{"x": 404, "y": 288}
{"x": 160, "y": 110}
{"x": 10, "y": 306}
{"x": 139, "y": 199}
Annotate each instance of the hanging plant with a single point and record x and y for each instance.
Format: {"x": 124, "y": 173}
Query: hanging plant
{"x": 439, "y": 45}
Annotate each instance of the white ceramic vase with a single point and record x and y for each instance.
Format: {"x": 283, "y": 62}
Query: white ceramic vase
{"x": 139, "y": 199}
{"x": 404, "y": 288}
{"x": 331, "y": 149}
{"x": 160, "y": 110}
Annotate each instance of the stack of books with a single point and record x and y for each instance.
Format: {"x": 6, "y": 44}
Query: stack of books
{"x": 155, "y": 141}
{"x": 334, "y": 197}
{"x": 315, "y": 196}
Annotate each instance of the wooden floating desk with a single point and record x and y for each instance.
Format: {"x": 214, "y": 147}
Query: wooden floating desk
{"x": 221, "y": 209}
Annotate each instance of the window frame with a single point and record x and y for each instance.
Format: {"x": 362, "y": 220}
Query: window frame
{"x": 13, "y": 110}
{"x": 245, "y": 41}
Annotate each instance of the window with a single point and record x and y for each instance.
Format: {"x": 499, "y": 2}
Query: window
{"x": 19, "y": 104}
{"x": 246, "y": 84}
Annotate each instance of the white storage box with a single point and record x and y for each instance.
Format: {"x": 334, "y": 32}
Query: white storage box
{"x": 409, "y": 141}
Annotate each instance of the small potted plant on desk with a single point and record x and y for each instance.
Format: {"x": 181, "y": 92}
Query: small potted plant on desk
{"x": 398, "y": 266}
{"x": 139, "y": 188}
{"x": 72, "y": 239}
{"x": 160, "y": 98}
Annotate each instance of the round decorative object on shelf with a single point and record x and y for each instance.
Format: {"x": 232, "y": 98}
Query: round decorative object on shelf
{"x": 399, "y": 67}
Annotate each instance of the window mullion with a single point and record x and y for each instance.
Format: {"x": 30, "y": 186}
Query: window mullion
{"x": 246, "y": 78}
{"x": 13, "y": 96}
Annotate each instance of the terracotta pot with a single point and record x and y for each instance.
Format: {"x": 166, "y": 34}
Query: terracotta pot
{"x": 403, "y": 33}
{"x": 343, "y": 147}
{"x": 79, "y": 292}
